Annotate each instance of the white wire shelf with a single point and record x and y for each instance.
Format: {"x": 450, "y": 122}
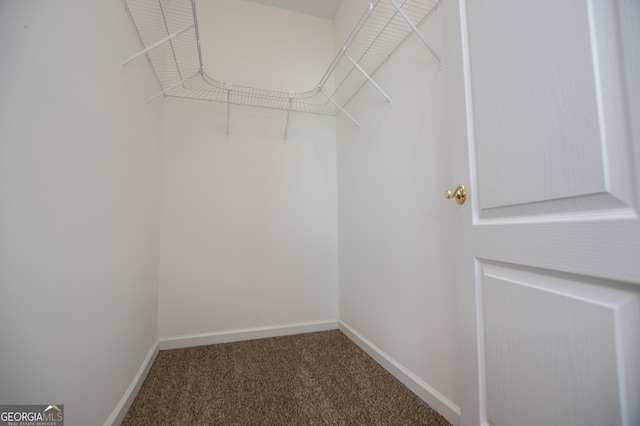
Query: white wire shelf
{"x": 168, "y": 30}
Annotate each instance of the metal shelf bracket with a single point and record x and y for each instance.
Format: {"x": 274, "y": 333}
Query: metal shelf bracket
{"x": 156, "y": 44}
{"x": 355, "y": 64}
{"x": 339, "y": 107}
{"x": 292, "y": 95}
{"x": 417, "y": 31}
{"x": 228, "y": 87}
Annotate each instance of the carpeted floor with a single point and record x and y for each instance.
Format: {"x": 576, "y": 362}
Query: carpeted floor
{"x": 306, "y": 379}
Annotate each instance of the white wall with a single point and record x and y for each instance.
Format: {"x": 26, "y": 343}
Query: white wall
{"x": 261, "y": 46}
{"x": 397, "y": 284}
{"x": 249, "y": 220}
{"x": 79, "y": 206}
{"x": 249, "y": 226}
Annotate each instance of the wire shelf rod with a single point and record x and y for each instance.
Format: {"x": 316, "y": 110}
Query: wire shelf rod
{"x": 377, "y": 58}
{"x": 195, "y": 23}
{"x": 173, "y": 49}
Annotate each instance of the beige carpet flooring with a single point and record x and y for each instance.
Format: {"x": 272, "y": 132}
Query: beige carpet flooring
{"x": 307, "y": 379}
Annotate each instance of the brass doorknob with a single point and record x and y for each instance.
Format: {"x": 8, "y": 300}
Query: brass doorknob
{"x": 460, "y": 194}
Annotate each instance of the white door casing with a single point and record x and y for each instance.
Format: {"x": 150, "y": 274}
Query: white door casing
{"x": 545, "y": 135}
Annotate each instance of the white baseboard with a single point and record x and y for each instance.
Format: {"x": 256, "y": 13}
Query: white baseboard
{"x": 190, "y": 340}
{"x": 435, "y": 399}
{"x": 117, "y": 416}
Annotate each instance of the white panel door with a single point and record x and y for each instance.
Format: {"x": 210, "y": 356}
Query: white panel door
{"x": 545, "y": 102}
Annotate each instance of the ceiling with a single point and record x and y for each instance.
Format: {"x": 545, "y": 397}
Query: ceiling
{"x": 321, "y": 8}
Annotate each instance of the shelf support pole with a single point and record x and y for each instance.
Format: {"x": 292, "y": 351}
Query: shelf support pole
{"x": 340, "y": 108}
{"x": 171, "y": 87}
{"x": 286, "y": 124}
{"x": 228, "y": 87}
{"x": 416, "y": 30}
{"x": 344, "y": 51}
{"x": 156, "y": 44}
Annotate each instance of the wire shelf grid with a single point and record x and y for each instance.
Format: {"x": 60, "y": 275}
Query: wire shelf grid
{"x": 178, "y": 61}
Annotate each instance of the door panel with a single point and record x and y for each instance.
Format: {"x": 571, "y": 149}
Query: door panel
{"x": 552, "y": 349}
{"x": 547, "y": 100}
